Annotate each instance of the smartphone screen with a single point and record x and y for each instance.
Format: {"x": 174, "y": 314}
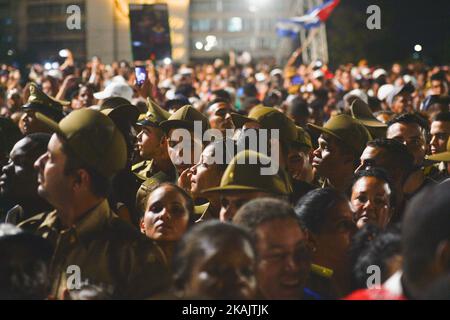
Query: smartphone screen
{"x": 141, "y": 74}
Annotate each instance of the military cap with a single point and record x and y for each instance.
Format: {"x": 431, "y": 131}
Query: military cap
{"x": 241, "y": 175}
{"x": 123, "y": 112}
{"x": 347, "y": 130}
{"x": 184, "y": 118}
{"x": 268, "y": 118}
{"x": 40, "y": 102}
{"x": 94, "y": 138}
{"x": 114, "y": 102}
{"x": 303, "y": 138}
{"x": 441, "y": 156}
{"x": 361, "y": 112}
{"x": 9, "y": 135}
{"x": 154, "y": 116}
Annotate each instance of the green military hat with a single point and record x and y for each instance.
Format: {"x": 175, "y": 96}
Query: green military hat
{"x": 114, "y": 102}
{"x": 94, "y": 138}
{"x": 347, "y": 130}
{"x": 441, "y": 156}
{"x": 154, "y": 116}
{"x": 361, "y": 112}
{"x": 303, "y": 139}
{"x": 241, "y": 175}
{"x": 184, "y": 118}
{"x": 268, "y": 118}
{"x": 126, "y": 112}
{"x": 40, "y": 102}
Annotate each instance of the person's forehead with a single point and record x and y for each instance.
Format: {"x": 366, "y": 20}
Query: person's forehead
{"x": 280, "y": 232}
{"x": 370, "y": 153}
{"x": 440, "y": 127}
{"x": 365, "y": 184}
{"x": 226, "y": 251}
{"x": 341, "y": 210}
{"x": 165, "y": 193}
{"x": 55, "y": 145}
{"x": 219, "y": 105}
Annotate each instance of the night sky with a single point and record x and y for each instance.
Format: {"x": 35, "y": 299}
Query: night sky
{"x": 404, "y": 23}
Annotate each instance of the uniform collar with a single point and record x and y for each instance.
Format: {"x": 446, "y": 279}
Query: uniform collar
{"x": 89, "y": 224}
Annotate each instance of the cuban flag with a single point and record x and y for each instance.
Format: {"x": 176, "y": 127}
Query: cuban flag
{"x": 312, "y": 19}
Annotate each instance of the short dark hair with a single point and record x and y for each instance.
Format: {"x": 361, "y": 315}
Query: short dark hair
{"x": 379, "y": 246}
{"x": 100, "y": 186}
{"x": 298, "y": 107}
{"x": 438, "y": 76}
{"x": 314, "y": 208}
{"x": 222, "y": 94}
{"x": 410, "y": 118}
{"x": 378, "y": 173}
{"x": 259, "y": 211}
{"x": 396, "y": 152}
{"x": 442, "y": 116}
{"x": 191, "y": 247}
{"x": 39, "y": 140}
{"x": 186, "y": 196}
{"x": 426, "y": 223}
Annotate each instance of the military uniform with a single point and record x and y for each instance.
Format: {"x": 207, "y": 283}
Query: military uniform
{"x": 107, "y": 251}
{"x": 145, "y": 171}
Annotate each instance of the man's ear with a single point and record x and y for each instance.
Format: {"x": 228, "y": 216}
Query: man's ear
{"x": 142, "y": 225}
{"x": 443, "y": 257}
{"x": 82, "y": 179}
{"x": 414, "y": 180}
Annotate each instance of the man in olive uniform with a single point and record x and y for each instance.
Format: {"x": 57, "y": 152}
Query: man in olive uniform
{"x": 186, "y": 118}
{"x": 245, "y": 179}
{"x": 341, "y": 142}
{"x": 361, "y": 112}
{"x": 40, "y": 102}
{"x": 152, "y": 145}
{"x": 91, "y": 244}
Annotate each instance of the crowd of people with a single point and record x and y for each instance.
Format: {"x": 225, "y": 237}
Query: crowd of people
{"x": 102, "y": 198}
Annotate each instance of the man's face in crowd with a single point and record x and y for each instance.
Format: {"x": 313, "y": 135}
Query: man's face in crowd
{"x": 18, "y": 180}
{"x": 437, "y": 87}
{"x": 31, "y": 124}
{"x": 54, "y": 185}
{"x": 402, "y": 103}
{"x": 219, "y": 116}
{"x": 334, "y": 238}
{"x": 440, "y": 131}
{"x": 226, "y": 271}
{"x": 176, "y": 148}
{"x": 151, "y": 142}
{"x": 284, "y": 259}
{"x": 412, "y": 136}
{"x": 231, "y": 202}
{"x": 86, "y": 97}
{"x": 298, "y": 163}
{"x": 328, "y": 157}
{"x": 370, "y": 201}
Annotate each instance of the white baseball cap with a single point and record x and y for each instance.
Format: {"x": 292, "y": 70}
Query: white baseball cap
{"x": 384, "y": 91}
{"x": 115, "y": 89}
{"x": 378, "y": 73}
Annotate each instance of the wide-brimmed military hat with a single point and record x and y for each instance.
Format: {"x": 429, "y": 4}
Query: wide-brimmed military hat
{"x": 185, "y": 118}
{"x": 242, "y": 175}
{"x": 268, "y": 118}
{"x": 441, "y": 156}
{"x": 347, "y": 130}
{"x": 40, "y": 102}
{"x": 94, "y": 138}
{"x": 303, "y": 139}
{"x": 361, "y": 112}
{"x": 154, "y": 116}
{"x": 127, "y": 112}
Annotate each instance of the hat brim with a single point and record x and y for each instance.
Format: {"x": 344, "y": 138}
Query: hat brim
{"x": 101, "y": 95}
{"x": 167, "y": 125}
{"x": 49, "y": 123}
{"x": 371, "y": 123}
{"x": 320, "y": 130}
{"x": 232, "y": 188}
{"x": 146, "y": 123}
{"x": 443, "y": 156}
{"x": 239, "y": 120}
{"x": 130, "y": 112}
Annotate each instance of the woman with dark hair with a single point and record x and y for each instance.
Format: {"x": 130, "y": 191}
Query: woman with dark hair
{"x": 372, "y": 198}
{"x": 168, "y": 215}
{"x": 327, "y": 215}
{"x": 215, "y": 260}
